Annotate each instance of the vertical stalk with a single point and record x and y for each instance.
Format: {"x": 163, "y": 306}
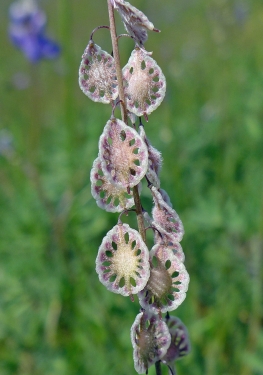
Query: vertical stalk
{"x": 116, "y": 55}
{"x": 124, "y": 113}
{"x": 158, "y": 368}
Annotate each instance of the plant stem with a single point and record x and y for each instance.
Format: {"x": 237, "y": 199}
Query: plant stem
{"x": 158, "y": 368}
{"x": 116, "y": 55}
{"x": 124, "y": 113}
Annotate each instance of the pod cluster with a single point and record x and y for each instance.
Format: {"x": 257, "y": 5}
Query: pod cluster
{"x": 126, "y": 158}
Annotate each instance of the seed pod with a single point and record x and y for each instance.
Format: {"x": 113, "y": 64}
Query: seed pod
{"x": 166, "y": 197}
{"x": 123, "y": 261}
{"x": 168, "y": 282}
{"x": 97, "y": 74}
{"x": 180, "y": 343}
{"x": 166, "y": 219}
{"x": 150, "y": 340}
{"x": 135, "y": 22}
{"x": 165, "y": 242}
{"x": 144, "y": 83}
{"x": 108, "y": 197}
{"x": 123, "y": 154}
{"x": 154, "y": 160}
{"x": 147, "y": 218}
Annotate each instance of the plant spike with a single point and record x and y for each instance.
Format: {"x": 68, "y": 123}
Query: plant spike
{"x": 126, "y": 158}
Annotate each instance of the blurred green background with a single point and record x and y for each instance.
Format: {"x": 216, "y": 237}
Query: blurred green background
{"x": 55, "y": 316}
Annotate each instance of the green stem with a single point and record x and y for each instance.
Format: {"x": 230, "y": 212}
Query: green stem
{"x": 124, "y": 113}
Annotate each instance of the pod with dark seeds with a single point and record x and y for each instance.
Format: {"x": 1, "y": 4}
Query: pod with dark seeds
{"x": 123, "y": 154}
{"x": 97, "y": 74}
{"x": 150, "y": 340}
{"x": 123, "y": 261}
{"x": 144, "y": 83}
{"x": 108, "y": 197}
{"x": 168, "y": 282}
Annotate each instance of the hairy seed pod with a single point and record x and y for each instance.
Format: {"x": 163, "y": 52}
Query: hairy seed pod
{"x": 150, "y": 340}
{"x": 97, "y": 74}
{"x": 108, "y": 197}
{"x": 168, "y": 282}
{"x": 165, "y": 242}
{"x": 123, "y": 154}
{"x": 166, "y": 197}
{"x": 165, "y": 218}
{"x": 135, "y": 22}
{"x": 155, "y": 160}
{"x": 144, "y": 83}
{"x": 123, "y": 261}
{"x": 180, "y": 343}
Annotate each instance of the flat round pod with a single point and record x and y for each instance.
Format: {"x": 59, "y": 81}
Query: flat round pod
{"x": 144, "y": 83}
{"x": 123, "y": 154}
{"x": 108, "y": 197}
{"x": 150, "y": 339}
{"x": 97, "y": 74}
{"x": 168, "y": 282}
{"x": 123, "y": 261}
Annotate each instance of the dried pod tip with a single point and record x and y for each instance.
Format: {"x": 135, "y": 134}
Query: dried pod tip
{"x": 135, "y": 22}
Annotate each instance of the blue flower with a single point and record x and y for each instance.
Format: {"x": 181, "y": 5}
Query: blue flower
{"x": 27, "y": 31}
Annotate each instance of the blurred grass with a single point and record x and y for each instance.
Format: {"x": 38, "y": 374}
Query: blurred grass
{"x": 55, "y": 316}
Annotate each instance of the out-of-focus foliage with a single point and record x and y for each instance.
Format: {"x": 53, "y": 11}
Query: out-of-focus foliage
{"x": 55, "y": 316}
{"x": 27, "y": 31}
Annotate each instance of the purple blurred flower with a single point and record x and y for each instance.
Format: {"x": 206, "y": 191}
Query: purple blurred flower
{"x": 27, "y": 31}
